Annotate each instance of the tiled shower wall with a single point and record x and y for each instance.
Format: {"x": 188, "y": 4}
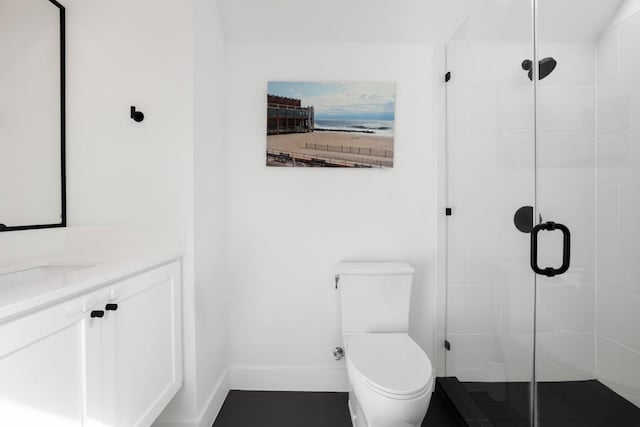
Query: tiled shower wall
{"x": 618, "y": 208}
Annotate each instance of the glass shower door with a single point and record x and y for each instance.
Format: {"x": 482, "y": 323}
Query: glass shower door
{"x": 491, "y": 176}
{"x": 587, "y": 347}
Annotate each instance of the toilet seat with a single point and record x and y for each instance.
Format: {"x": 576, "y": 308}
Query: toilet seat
{"x": 391, "y": 364}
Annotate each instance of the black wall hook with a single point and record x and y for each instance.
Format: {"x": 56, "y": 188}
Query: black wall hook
{"x": 138, "y": 116}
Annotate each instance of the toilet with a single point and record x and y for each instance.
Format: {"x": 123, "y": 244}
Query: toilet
{"x": 391, "y": 377}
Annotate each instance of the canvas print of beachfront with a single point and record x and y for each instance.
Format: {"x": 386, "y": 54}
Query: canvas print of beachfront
{"x": 330, "y": 124}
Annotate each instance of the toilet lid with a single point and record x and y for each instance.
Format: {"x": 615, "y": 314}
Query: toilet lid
{"x": 393, "y": 363}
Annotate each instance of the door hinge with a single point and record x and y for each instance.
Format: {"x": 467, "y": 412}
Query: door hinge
{"x": 448, "y": 211}
{"x": 447, "y": 345}
{"x": 337, "y": 280}
{"x": 447, "y": 76}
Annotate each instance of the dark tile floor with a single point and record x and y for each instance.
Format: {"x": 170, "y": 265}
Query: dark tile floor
{"x": 561, "y": 404}
{"x": 298, "y": 409}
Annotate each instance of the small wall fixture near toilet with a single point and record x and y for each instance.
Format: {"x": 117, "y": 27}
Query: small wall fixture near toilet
{"x": 390, "y": 375}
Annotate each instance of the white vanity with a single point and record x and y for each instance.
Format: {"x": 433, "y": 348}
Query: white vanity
{"x": 90, "y": 345}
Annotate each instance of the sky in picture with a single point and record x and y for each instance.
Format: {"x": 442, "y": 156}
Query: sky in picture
{"x": 341, "y": 100}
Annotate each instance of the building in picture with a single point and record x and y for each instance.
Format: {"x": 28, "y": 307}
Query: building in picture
{"x": 287, "y": 115}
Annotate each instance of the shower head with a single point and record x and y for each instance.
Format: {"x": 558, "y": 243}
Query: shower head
{"x": 545, "y": 67}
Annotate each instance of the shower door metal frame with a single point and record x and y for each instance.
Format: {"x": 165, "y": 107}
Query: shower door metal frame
{"x": 536, "y": 212}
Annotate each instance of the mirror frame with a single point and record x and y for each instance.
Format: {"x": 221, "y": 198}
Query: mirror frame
{"x": 63, "y": 178}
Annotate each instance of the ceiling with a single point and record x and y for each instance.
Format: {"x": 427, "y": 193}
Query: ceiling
{"x": 412, "y": 21}
{"x": 362, "y": 21}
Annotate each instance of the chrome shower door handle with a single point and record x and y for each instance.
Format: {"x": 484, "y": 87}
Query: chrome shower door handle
{"x": 566, "y": 249}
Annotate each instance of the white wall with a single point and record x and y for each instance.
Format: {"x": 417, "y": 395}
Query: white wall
{"x": 618, "y": 205}
{"x": 120, "y": 54}
{"x": 210, "y": 213}
{"x": 287, "y": 228}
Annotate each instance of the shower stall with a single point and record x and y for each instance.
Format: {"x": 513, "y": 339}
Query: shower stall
{"x": 542, "y": 323}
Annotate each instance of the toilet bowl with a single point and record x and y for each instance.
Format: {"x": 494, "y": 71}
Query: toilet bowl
{"x": 391, "y": 378}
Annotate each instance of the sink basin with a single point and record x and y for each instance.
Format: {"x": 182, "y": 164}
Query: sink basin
{"x": 40, "y": 272}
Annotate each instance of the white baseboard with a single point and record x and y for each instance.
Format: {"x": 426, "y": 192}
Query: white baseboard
{"x": 278, "y": 378}
{"x": 209, "y": 412}
{"x": 211, "y": 408}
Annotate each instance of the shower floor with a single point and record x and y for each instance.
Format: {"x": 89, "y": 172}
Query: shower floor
{"x": 561, "y": 404}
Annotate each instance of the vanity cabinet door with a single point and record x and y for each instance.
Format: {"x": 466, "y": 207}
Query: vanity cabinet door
{"x": 142, "y": 355}
{"x": 50, "y": 367}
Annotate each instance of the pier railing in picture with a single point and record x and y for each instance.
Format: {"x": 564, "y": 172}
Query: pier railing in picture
{"x": 319, "y": 160}
{"x": 378, "y": 152}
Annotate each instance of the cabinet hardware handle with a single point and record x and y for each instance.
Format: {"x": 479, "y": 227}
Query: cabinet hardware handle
{"x": 111, "y": 307}
{"x": 97, "y": 313}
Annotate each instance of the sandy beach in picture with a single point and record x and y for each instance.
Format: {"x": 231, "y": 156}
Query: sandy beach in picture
{"x": 330, "y": 124}
{"x": 348, "y": 149}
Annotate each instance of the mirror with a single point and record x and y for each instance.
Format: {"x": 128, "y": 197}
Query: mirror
{"x": 32, "y": 115}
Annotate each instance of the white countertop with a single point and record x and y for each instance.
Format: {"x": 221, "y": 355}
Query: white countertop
{"x": 22, "y": 296}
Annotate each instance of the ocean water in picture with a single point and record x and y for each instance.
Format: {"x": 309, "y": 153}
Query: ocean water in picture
{"x": 375, "y": 127}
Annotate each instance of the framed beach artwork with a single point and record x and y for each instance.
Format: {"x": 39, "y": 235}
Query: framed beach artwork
{"x": 330, "y": 124}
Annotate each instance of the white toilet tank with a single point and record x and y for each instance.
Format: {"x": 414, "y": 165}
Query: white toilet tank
{"x": 375, "y": 296}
